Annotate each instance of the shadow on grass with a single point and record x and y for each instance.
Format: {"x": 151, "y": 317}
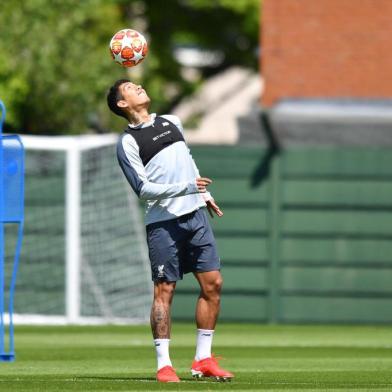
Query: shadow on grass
{"x": 133, "y": 379}
{"x": 107, "y": 378}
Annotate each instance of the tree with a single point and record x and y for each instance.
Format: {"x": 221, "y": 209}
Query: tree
{"x": 54, "y": 63}
{"x": 231, "y": 27}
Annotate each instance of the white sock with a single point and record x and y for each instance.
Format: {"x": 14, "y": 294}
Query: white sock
{"x": 204, "y": 343}
{"x": 162, "y": 350}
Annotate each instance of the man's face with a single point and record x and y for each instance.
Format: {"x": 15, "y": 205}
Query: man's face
{"x": 134, "y": 96}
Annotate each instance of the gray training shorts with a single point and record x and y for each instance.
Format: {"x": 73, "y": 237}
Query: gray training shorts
{"x": 181, "y": 245}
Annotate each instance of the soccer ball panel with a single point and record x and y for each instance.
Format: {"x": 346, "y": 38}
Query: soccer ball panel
{"x": 116, "y": 47}
{"x": 127, "y": 53}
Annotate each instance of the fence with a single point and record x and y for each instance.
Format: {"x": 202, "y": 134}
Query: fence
{"x": 306, "y": 235}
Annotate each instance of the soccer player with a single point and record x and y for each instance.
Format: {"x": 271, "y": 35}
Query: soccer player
{"x": 157, "y": 163}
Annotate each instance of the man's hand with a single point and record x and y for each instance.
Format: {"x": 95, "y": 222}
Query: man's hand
{"x": 212, "y": 207}
{"x": 202, "y": 183}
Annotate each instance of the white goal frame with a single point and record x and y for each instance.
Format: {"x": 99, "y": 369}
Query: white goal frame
{"x": 73, "y": 146}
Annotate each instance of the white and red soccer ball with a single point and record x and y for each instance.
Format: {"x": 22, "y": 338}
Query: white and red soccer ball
{"x": 128, "y": 47}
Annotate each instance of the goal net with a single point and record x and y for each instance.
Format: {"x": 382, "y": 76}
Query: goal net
{"x": 84, "y": 256}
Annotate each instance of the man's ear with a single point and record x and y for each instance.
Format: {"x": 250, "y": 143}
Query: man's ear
{"x": 122, "y": 103}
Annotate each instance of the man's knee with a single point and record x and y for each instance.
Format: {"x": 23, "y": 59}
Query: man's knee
{"x": 164, "y": 291}
{"x": 212, "y": 288}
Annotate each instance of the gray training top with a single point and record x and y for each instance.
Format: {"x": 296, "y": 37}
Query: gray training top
{"x": 160, "y": 169}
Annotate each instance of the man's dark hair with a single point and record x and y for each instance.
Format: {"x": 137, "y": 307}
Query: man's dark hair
{"x": 114, "y": 95}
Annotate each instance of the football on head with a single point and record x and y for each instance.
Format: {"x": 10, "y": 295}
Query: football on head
{"x": 128, "y": 47}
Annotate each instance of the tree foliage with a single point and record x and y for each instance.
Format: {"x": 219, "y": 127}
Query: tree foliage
{"x": 54, "y": 63}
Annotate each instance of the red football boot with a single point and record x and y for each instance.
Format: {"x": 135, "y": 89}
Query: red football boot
{"x": 167, "y": 374}
{"x": 209, "y": 367}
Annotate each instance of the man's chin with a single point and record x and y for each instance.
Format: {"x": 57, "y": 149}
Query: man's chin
{"x": 144, "y": 103}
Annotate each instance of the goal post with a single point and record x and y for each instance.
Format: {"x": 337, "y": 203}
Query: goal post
{"x": 85, "y": 250}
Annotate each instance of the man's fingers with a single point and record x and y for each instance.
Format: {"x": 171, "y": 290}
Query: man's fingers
{"x": 202, "y": 183}
{"x": 217, "y": 210}
{"x": 209, "y": 208}
{"x": 212, "y": 206}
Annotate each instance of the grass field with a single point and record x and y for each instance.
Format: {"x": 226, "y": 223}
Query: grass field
{"x": 277, "y": 358}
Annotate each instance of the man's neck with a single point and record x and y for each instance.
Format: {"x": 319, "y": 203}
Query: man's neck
{"x": 139, "y": 117}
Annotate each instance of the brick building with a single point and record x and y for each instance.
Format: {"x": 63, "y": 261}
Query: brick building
{"x": 326, "y": 49}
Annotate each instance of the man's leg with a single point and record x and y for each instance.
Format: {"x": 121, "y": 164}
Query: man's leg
{"x": 208, "y": 304}
{"x": 160, "y": 326}
{"x": 160, "y": 310}
{"x": 207, "y": 311}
